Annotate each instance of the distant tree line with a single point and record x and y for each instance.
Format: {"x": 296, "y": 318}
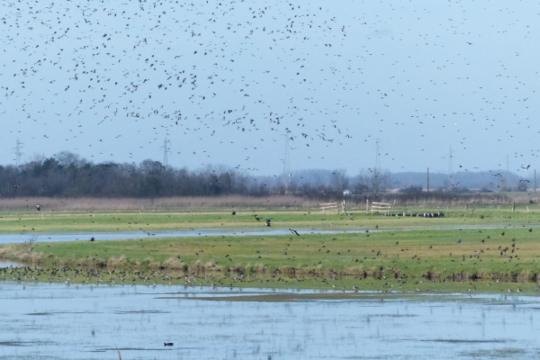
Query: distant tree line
{"x": 69, "y": 175}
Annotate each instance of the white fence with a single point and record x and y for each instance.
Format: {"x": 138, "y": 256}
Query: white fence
{"x": 380, "y": 207}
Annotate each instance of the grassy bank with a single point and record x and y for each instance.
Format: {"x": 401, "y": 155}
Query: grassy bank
{"x": 429, "y": 254}
{"x": 338, "y": 285}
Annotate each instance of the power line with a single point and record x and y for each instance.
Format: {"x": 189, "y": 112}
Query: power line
{"x": 377, "y": 155}
{"x": 286, "y": 158}
{"x": 450, "y": 165}
{"x": 18, "y": 153}
{"x": 166, "y": 151}
{"x": 286, "y": 162}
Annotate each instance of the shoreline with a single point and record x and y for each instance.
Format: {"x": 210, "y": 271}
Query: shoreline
{"x": 344, "y": 286}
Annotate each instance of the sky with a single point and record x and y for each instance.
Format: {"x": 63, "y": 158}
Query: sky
{"x": 227, "y": 82}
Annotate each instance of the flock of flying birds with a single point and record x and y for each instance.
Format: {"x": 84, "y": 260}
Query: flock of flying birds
{"x": 231, "y": 81}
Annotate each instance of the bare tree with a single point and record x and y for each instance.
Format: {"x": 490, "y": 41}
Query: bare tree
{"x": 67, "y": 158}
{"x": 339, "y": 181}
{"x": 379, "y": 181}
{"x": 37, "y": 158}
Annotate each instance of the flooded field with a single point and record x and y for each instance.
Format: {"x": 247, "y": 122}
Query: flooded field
{"x": 19, "y": 238}
{"x": 7, "y": 263}
{"x": 124, "y": 235}
{"x": 42, "y": 321}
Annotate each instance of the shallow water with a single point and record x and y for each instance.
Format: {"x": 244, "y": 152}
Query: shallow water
{"x": 42, "y": 321}
{"x": 431, "y": 224}
{"x": 123, "y": 235}
{"x": 8, "y": 263}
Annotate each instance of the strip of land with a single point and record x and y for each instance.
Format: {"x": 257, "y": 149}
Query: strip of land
{"x": 425, "y": 258}
{"x": 33, "y": 222}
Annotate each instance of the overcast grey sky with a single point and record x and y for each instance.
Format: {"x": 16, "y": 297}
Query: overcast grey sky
{"x": 225, "y": 80}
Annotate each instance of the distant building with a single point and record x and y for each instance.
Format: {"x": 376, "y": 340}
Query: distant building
{"x": 347, "y": 193}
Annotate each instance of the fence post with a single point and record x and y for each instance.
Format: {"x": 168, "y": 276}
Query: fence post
{"x": 367, "y": 206}
{"x": 513, "y": 207}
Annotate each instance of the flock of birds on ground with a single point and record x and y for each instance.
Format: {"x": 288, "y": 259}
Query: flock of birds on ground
{"x": 112, "y": 79}
{"x": 508, "y": 253}
{"x": 425, "y": 214}
{"x": 233, "y": 81}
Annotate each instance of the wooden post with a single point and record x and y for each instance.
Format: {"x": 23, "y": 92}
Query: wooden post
{"x": 527, "y": 208}
{"x": 344, "y": 208}
{"x": 367, "y": 206}
{"x": 513, "y": 207}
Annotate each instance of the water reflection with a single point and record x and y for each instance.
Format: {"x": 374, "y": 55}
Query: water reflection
{"x": 8, "y": 263}
{"x": 124, "y": 235}
{"x": 42, "y": 321}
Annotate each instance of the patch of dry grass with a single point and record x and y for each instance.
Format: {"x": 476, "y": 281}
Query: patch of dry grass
{"x": 157, "y": 204}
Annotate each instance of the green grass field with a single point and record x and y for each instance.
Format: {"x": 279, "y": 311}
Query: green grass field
{"x": 415, "y": 250}
{"x": 57, "y": 222}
